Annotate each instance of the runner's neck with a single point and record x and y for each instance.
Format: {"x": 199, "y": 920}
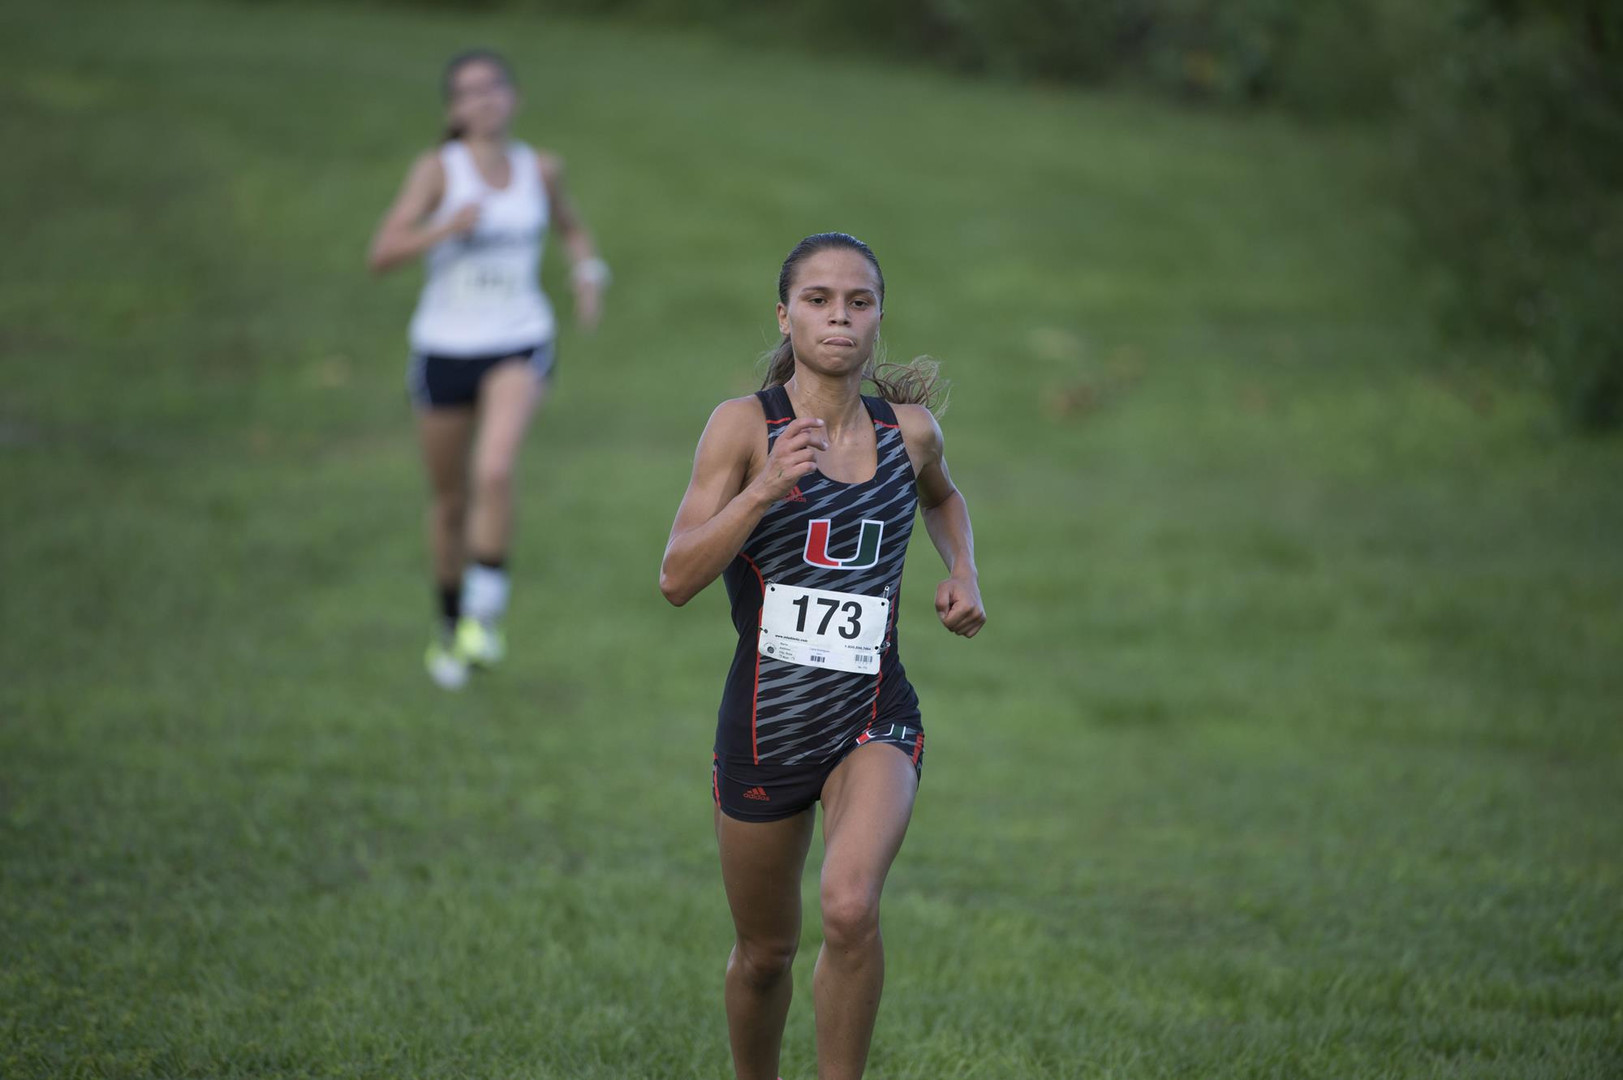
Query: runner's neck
{"x": 836, "y": 402}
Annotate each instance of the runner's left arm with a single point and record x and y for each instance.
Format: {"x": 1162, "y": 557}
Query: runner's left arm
{"x": 589, "y": 274}
{"x": 946, "y": 519}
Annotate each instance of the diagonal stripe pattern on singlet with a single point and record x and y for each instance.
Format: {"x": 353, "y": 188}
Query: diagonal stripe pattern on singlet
{"x": 774, "y": 711}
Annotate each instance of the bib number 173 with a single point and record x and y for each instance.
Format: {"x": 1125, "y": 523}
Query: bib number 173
{"x": 821, "y": 628}
{"x": 850, "y": 612}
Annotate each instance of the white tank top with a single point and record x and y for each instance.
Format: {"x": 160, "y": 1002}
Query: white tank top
{"x": 482, "y": 295}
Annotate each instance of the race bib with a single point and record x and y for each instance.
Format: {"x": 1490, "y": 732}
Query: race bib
{"x": 484, "y": 283}
{"x": 819, "y": 628}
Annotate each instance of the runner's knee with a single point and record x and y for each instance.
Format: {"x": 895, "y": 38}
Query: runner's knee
{"x": 493, "y": 478}
{"x": 850, "y": 914}
{"x": 763, "y": 961}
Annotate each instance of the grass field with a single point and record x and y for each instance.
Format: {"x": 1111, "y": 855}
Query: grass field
{"x": 1293, "y": 748}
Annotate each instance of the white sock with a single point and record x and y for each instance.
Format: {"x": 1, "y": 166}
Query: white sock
{"x": 484, "y": 593}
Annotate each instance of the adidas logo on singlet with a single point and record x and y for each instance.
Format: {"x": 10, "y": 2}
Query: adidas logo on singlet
{"x": 794, "y": 495}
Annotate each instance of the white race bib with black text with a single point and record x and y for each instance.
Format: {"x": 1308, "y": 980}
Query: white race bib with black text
{"x": 820, "y": 628}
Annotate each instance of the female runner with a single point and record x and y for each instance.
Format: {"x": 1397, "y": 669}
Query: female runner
{"x": 482, "y": 338}
{"x": 802, "y": 499}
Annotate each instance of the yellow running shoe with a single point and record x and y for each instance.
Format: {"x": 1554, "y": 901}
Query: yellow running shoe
{"x": 479, "y": 644}
{"x": 445, "y": 665}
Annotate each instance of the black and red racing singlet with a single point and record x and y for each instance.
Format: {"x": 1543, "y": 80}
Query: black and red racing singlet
{"x": 848, "y": 538}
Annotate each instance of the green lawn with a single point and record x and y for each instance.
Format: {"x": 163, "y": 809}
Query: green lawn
{"x": 1293, "y": 748}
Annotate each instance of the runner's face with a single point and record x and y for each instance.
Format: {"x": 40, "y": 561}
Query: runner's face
{"x": 482, "y": 100}
{"x": 832, "y": 316}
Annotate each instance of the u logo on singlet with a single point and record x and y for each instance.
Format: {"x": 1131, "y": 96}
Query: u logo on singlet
{"x": 867, "y": 546}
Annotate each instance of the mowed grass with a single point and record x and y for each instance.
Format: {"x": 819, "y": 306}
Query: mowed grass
{"x": 1292, "y": 748}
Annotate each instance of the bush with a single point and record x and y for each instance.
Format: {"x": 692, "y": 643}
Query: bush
{"x": 1514, "y": 181}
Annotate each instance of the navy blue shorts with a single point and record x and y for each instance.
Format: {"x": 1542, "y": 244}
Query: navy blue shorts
{"x": 448, "y": 382}
{"x": 751, "y": 792}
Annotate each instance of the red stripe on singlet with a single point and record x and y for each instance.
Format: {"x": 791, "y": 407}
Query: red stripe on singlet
{"x": 781, "y": 420}
{"x": 880, "y": 678}
{"x": 755, "y": 691}
{"x": 881, "y": 423}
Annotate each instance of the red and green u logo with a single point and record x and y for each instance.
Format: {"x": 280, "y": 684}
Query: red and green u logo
{"x": 867, "y": 546}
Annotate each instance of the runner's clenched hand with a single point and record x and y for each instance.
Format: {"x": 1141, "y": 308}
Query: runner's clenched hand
{"x": 792, "y": 457}
{"x": 958, "y": 603}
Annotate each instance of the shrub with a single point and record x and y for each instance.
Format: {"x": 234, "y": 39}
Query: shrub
{"x": 1514, "y": 182}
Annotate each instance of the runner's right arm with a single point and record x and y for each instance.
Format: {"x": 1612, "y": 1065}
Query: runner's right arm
{"x": 401, "y": 236}
{"x": 724, "y": 503}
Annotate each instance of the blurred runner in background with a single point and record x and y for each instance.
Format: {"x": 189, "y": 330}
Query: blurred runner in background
{"x": 483, "y": 339}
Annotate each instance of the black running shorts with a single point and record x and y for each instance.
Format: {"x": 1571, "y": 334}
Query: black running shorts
{"x": 772, "y": 792}
{"x": 445, "y": 382}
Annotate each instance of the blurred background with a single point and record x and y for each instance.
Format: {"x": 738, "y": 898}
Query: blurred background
{"x": 1287, "y": 374}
